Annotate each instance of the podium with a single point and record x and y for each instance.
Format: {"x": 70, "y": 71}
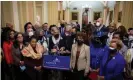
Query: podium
{"x": 56, "y": 62}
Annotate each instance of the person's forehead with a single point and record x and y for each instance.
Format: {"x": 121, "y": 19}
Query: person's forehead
{"x": 12, "y": 32}
{"x": 117, "y": 35}
{"x": 54, "y": 28}
{"x": 33, "y": 40}
{"x": 19, "y": 34}
{"x": 29, "y": 25}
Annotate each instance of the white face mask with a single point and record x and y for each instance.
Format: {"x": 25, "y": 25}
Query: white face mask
{"x": 130, "y": 38}
{"x": 31, "y": 33}
{"x": 111, "y": 48}
{"x": 97, "y": 24}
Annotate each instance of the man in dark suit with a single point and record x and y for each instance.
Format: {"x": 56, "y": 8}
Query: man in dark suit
{"x": 100, "y": 27}
{"x": 56, "y": 42}
{"x": 62, "y": 28}
{"x": 46, "y": 30}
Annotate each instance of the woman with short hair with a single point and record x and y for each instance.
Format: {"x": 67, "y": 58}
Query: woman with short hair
{"x": 80, "y": 57}
{"x": 113, "y": 63}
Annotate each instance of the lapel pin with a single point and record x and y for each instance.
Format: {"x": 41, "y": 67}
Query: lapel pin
{"x": 113, "y": 57}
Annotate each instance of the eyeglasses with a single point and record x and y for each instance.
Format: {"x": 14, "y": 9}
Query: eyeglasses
{"x": 11, "y": 33}
{"x": 19, "y": 36}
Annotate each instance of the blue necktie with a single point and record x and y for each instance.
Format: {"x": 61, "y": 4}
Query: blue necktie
{"x": 62, "y": 31}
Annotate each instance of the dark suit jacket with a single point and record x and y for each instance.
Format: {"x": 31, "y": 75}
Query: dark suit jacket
{"x": 60, "y": 31}
{"x": 47, "y": 34}
{"x": 17, "y": 55}
{"x": 68, "y": 42}
{"x": 51, "y": 44}
{"x": 103, "y": 29}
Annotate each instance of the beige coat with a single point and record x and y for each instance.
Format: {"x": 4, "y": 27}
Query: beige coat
{"x": 83, "y": 60}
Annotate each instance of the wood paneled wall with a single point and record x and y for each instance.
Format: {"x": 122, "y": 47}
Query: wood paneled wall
{"x": 6, "y": 12}
{"x": 127, "y": 14}
{"x": 53, "y": 12}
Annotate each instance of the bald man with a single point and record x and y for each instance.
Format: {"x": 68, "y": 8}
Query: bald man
{"x": 100, "y": 27}
{"x": 9, "y": 25}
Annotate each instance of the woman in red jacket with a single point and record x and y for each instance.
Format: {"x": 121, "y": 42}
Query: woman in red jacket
{"x": 7, "y": 45}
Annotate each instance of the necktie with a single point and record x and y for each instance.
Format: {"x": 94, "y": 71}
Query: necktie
{"x": 62, "y": 31}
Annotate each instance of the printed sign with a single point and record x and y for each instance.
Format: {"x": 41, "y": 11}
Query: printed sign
{"x": 56, "y": 62}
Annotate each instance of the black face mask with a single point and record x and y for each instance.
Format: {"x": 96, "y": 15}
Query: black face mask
{"x": 80, "y": 42}
{"x": 62, "y": 25}
{"x": 113, "y": 51}
{"x": 96, "y": 42}
{"x": 56, "y": 36}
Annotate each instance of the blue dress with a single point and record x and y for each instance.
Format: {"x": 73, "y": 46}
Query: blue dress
{"x": 112, "y": 69}
{"x": 96, "y": 55}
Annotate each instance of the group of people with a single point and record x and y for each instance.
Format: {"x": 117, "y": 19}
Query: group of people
{"x": 96, "y": 52}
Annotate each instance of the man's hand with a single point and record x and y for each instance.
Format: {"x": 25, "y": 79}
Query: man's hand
{"x": 62, "y": 48}
{"x": 68, "y": 51}
{"x": 53, "y": 50}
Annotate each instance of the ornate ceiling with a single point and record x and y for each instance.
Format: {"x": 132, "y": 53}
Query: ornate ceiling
{"x": 89, "y": 4}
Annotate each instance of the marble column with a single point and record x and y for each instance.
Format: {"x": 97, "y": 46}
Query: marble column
{"x": 15, "y": 16}
{"x": 106, "y": 9}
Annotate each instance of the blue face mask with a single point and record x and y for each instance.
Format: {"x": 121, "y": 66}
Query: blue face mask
{"x": 22, "y": 68}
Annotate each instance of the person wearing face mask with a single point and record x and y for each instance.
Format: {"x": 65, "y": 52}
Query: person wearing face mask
{"x": 68, "y": 39}
{"x": 33, "y": 59}
{"x": 62, "y": 28}
{"x": 97, "y": 51}
{"x": 113, "y": 63}
{"x": 56, "y": 47}
{"x": 73, "y": 33}
{"x": 80, "y": 58}
{"x": 56, "y": 42}
{"x": 130, "y": 37}
{"x": 118, "y": 36}
{"x": 29, "y": 31}
{"x": 112, "y": 28}
{"x": 100, "y": 27}
{"x": 42, "y": 39}
{"x": 28, "y": 34}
